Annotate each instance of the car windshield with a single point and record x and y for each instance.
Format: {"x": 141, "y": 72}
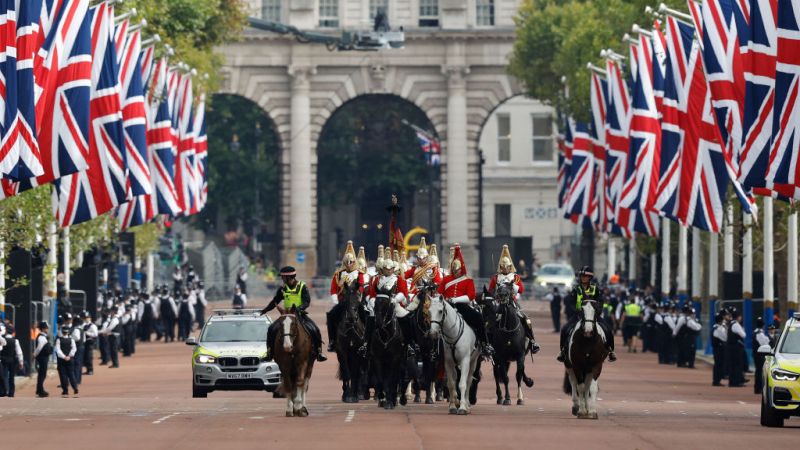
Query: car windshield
{"x": 791, "y": 344}
{"x": 234, "y": 331}
{"x": 561, "y": 271}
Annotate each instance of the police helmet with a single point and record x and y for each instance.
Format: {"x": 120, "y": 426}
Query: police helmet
{"x": 587, "y": 271}
{"x": 85, "y": 315}
{"x": 771, "y": 327}
{"x": 687, "y": 309}
{"x": 760, "y": 322}
{"x": 64, "y": 330}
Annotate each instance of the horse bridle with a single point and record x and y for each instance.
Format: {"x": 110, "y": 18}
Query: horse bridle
{"x": 583, "y": 316}
{"x": 382, "y": 325}
{"x": 459, "y": 323}
{"x": 297, "y": 325}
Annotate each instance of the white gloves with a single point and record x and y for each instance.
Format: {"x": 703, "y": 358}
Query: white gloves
{"x": 334, "y": 299}
{"x": 516, "y": 288}
{"x": 460, "y": 299}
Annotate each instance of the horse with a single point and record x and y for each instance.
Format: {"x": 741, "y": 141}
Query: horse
{"x": 508, "y": 338}
{"x": 295, "y": 355}
{"x": 431, "y": 350}
{"x": 387, "y": 350}
{"x": 586, "y": 352}
{"x": 461, "y": 353}
{"x": 350, "y": 337}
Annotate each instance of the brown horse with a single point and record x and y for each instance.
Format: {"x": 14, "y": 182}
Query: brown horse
{"x": 295, "y": 356}
{"x": 586, "y": 352}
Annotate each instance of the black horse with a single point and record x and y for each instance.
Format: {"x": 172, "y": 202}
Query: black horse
{"x": 350, "y": 337}
{"x": 430, "y": 354}
{"x": 507, "y": 335}
{"x": 387, "y": 351}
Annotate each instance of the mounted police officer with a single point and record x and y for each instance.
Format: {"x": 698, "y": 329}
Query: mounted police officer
{"x": 347, "y": 274}
{"x": 425, "y": 271}
{"x": 585, "y": 290}
{"x": 507, "y": 273}
{"x": 293, "y": 293}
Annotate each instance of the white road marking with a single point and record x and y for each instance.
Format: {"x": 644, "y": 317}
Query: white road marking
{"x": 256, "y": 417}
{"x": 165, "y": 418}
{"x": 350, "y": 415}
{"x": 742, "y": 403}
{"x": 70, "y": 420}
{"x": 674, "y": 401}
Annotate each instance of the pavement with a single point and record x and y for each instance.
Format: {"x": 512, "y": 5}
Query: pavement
{"x": 147, "y": 403}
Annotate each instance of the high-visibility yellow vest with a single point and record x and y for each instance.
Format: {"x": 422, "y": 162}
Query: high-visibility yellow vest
{"x": 633, "y": 310}
{"x": 293, "y": 297}
{"x": 591, "y": 292}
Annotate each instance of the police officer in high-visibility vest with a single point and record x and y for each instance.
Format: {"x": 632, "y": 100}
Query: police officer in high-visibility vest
{"x": 589, "y": 290}
{"x": 293, "y": 293}
{"x": 632, "y": 318}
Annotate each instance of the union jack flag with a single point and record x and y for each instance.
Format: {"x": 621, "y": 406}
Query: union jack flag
{"x": 83, "y": 196}
{"x": 564, "y": 162}
{"x": 784, "y": 167}
{"x": 137, "y": 211}
{"x": 641, "y": 175}
{"x": 617, "y": 143}
{"x": 146, "y": 63}
{"x": 159, "y": 145}
{"x": 581, "y": 190}
{"x": 133, "y": 114}
{"x": 201, "y": 153}
{"x": 184, "y": 166}
{"x": 430, "y": 146}
{"x": 9, "y": 148}
{"x": 600, "y": 205}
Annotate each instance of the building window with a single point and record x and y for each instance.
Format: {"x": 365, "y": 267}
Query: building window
{"x": 484, "y": 13}
{"x": 428, "y": 13}
{"x": 502, "y": 220}
{"x": 271, "y": 10}
{"x": 375, "y": 4}
{"x": 503, "y": 137}
{"x": 329, "y": 13}
{"x": 542, "y": 137}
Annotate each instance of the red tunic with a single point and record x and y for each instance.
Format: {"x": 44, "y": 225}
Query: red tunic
{"x": 517, "y": 281}
{"x": 340, "y": 273}
{"x": 402, "y": 288}
{"x": 465, "y": 286}
{"x": 437, "y": 276}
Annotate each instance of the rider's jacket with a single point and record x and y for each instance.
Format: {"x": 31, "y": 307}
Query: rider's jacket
{"x": 342, "y": 276}
{"x": 457, "y": 290}
{"x": 299, "y": 296}
{"x": 418, "y": 274}
{"x": 579, "y": 293}
{"x": 399, "y": 288}
{"x": 512, "y": 278}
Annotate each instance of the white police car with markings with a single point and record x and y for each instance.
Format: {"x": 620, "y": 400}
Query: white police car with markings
{"x": 229, "y": 354}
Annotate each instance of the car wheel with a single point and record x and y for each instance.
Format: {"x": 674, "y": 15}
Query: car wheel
{"x": 769, "y": 416}
{"x": 199, "y": 392}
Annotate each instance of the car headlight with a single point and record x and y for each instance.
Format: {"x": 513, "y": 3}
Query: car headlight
{"x": 205, "y": 359}
{"x": 784, "y": 375}
{"x": 542, "y": 283}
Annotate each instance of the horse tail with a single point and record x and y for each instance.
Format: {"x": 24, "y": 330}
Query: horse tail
{"x": 567, "y": 385}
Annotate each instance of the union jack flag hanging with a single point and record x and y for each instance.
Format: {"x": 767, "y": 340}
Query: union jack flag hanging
{"x": 159, "y": 144}
{"x": 184, "y": 166}
{"x": 137, "y": 211}
{"x": 581, "y": 191}
{"x": 430, "y": 146}
{"x": 565, "y": 164}
{"x": 133, "y": 114}
{"x": 9, "y": 148}
{"x": 83, "y": 196}
{"x": 201, "y": 152}
{"x": 600, "y": 205}
{"x": 616, "y": 139}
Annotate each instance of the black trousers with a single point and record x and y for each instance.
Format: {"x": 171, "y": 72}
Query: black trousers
{"x": 41, "y": 373}
{"x": 146, "y": 329}
{"x": 9, "y": 367}
{"x": 735, "y": 364}
{"x": 66, "y": 374}
{"x": 184, "y": 327}
{"x": 332, "y": 319}
{"x": 88, "y": 355}
{"x": 719, "y": 364}
{"x": 200, "y": 314}
{"x": 759, "y": 376}
{"x": 168, "y": 321}
{"x": 77, "y": 362}
{"x": 113, "y": 349}
{"x": 103, "y": 342}
{"x": 555, "y": 311}
{"x": 3, "y": 379}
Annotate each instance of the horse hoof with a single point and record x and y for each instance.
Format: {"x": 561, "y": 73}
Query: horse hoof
{"x": 520, "y": 401}
{"x": 417, "y": 399}
{"x": 574, "y": 410}
{"x": 289, "y": 414}
{"x": 298, "y": 413}
{"x": 389, "y": 406}
{"x": 506, "y": 402}
{"x": 439, "y": 398}
{"x": 361, "y": 397}
{"x": 462, "y": 412}
{"x": 593, "y": 415}
{"x": 582, "y": 415}
{"x": 529, "y": 382}
{"x": 499, "y": 401}
{"x": 403, "y": 400}
{"x": 452, "y": 411}
{"x": 428, "y": 401}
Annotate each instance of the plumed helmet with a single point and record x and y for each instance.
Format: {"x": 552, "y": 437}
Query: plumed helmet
{"x": 434, "y": 255}
{"x": 403, "y": 262}
{"x": 379, "y": 261}
{"x": 388, "y": 263}
{"x": 423, "y": 249}
{"x": 458, "y": 261}
{"x": 349, "y": 254}
{"x": 361, "y": 260}
{"x": 505, "y": 260}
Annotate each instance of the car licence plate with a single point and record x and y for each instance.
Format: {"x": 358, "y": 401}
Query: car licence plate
{"x": 234, "y": 376}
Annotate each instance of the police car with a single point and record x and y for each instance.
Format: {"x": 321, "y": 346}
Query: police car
{"x": 229, "y": 355}
{"x": 780, "y": 396}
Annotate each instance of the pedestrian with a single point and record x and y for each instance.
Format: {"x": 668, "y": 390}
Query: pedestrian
{"x": 630, "y": 323}
{"x": 112, "y": 329}
{"x": 771, "y": 335}
{"x": 102, "y": 339}
{"x": 41, "y": 353}
{"x": 241, "y": 279}
{"x": 90, "y": 332}
{"x": 671, "y": 320}
{"x": 648, "y": 326}
{"x": 662, "y": 334}
{"x": 78, "y": 335}
{"x": 177, "y": 279}
{"x": 555, "y": 308}
{"x": 239, "y": 298}
{"x": 128, "y": 334}
{"x": 719, "y": 336}
{"x": 735, "y": 350}
{"x": 147, "y": 318}
{"x": 65, "y": 351}
{"x": 169, "y": 314}
{"x": 185, "y": 316}
{"x": 759, "y": 338}
{"x": 687, "y": 340}
{"x": 202, "y": 303}
{"x": 10, "y": 359}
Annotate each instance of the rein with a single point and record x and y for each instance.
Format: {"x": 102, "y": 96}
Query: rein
{"x": 460, "y": 324}
{"x": 390, "y": 321}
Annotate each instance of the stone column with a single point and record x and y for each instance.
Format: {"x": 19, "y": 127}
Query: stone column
{"x": 457, "y": 216}
{"x": 301, "y": 251}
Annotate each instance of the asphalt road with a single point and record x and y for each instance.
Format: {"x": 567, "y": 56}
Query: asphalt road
{"x": 147, "y": 404}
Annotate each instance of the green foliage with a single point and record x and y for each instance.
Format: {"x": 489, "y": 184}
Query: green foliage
{"x": 557, "y": 38}
{"x": 365, "y": 147}
{"x": 235, "y": 176}
{"x": 146, "y": 236}
{"x": 24, "y": 218}
{"x": 84, "y": 236}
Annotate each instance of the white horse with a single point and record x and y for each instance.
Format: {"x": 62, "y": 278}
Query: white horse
{"x": 460, "y": 347}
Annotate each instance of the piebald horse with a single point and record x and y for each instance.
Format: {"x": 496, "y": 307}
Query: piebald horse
{"x": 461, "y": 351}
{"x": 586, "y": 352}
{"x": 295, "y": 356}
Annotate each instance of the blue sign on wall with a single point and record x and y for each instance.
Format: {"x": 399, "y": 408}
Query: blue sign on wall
{"x": 301, "y": 257}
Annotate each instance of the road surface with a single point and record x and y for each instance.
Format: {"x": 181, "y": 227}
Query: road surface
{"x": 147, "y": 404}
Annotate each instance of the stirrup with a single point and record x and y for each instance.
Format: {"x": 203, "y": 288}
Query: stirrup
{"x": 488, "y": 349}
{"x": 534, "y": 347}
{"x": 562, "y": 356}
{"x": 410, "y": 352}
{"x": 321, "y": 356}
{"x": 612, "y": 356}
{"x": 362, "y": 351}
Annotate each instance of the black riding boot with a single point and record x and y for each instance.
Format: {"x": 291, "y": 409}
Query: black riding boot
{"x": 332, "y": 324}
{"x": 370, "y": 327}
{"x": 408, "y": 334}
{"x": 529, "y": 332}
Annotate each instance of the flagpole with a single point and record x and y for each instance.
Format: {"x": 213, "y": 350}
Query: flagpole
{"x": 612, "y": 257}
{"x": 664, "y": 259}
{"x": 150, "y": 270}
{"x": 683, "y": 253}
{"x": 65, "y": 253}
{"x": 728, "y": 241}
{"x": 791, "y": 297}
{"x": 52, "y": 258}
{"x": 696, "y": 275}
{"x": 632, "y": 259}
{"x": 713, "y": 284}
{"x": 747, "y": 278}
{"x": 769, "y": 261}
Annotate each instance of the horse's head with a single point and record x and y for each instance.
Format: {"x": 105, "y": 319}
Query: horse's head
{"x": 288, "y": 326}
{"x": 590, "y": 311}
{"x": 436, "y": 311}
{"x": 351, "y": 293}
{"x": 504, "y": 293}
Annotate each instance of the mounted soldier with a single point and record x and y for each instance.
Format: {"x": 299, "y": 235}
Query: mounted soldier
{"x": 585, "y": 290}
{"x": 348, "y": 274}
{"x": 507, "y": 273}
{"x": 459, "y": 290}
{"x": 426, "y": 270}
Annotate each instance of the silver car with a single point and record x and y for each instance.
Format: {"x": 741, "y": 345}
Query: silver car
{"x": 229, "y": 355}
{"x": 558, "y": 275}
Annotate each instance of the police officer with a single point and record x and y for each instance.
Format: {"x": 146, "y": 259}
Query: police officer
{"x": 735, "y": 351}
{"x": 631, "y": 322}
{"x": 687, "y": 337}
{"x": 759, "y": 338}
{"x": 293, "y": 293}
{"x": 191, "y": 275}
{"x": 719, "y": 336}
{"x": 169, "y": 314}
{"x": 555, "y": 308}
{"x": 65, "y": 351}
{"x": 112, "y": 329}
{"x": 90, "y": 333}
{"x": 239, "y": 298}
{"x": 771, "y": 335}
{"x": 648, "y": 326}
{"x": 585, "y": 290}
{"x": 177, "y": 279}
{"x": 41, "y": 352}
{"x": 147, "y": 316}
{"x": 201, "y": 304}
{"x": 10, "y": 359}
{"x": 185, "y": 316}
{"x": 669, "y": 342}
{"x": 241, "y": 279}
{"x": 78, "y": 335}
{"x": 128, "y": 337}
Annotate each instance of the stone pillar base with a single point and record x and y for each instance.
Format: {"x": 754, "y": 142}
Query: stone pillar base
{"x": 306, "y": 269}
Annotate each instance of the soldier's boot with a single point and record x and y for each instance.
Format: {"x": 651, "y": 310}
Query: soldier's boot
{"x": 331, "y": 323}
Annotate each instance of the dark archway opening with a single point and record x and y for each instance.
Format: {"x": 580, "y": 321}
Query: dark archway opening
{"x": 243, "y": 199}
{"x": 368, "y": 151}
